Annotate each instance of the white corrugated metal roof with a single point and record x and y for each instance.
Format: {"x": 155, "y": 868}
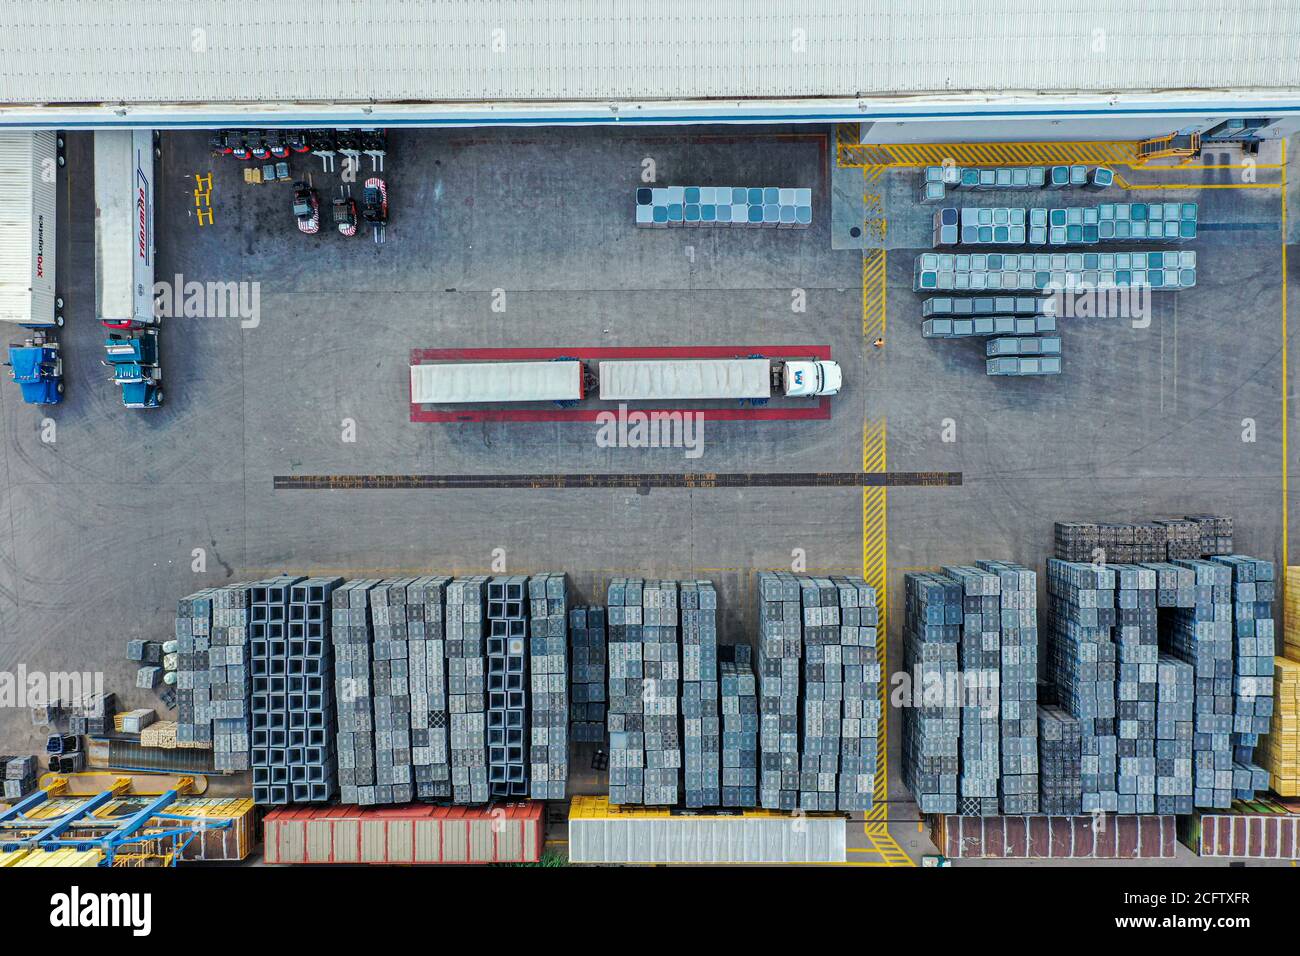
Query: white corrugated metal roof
{"x": 232, "y": 51}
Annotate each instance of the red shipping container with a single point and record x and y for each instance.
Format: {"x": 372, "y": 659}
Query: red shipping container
{"x": 1248, "y": 836}
{"x": 1049, "y": 837}
{"x": 415, "y": 834}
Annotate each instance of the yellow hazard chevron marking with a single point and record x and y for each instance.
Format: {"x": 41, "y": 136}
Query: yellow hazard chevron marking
{"x": 874, "y": 289}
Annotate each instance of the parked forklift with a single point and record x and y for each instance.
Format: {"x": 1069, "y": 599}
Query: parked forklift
{"x": 136, "y": 368}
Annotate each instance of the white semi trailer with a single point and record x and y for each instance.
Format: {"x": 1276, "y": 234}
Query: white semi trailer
{"x": 568, "y": 380}
{"x": 28, "y": 192}
{"x": 124, "y": 227}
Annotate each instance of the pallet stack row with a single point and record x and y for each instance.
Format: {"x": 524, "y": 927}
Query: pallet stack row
{"x": 1195, "y": 536}
{"x": 774, "y": 207}
{"x": 193, "y": 683}
{"x": 821, "y": 695}
{"x": 662, "y": 704}
{"x": 1044, "y": 271}
{"x": 1061, "y": 762}
{"x": 1017, "y": 686}
{"x": 230, "y": 681}
{"x": 1175, "y": 729}
{"x": 467, "y": 688}
{"x": 548, "y": 662}
{"x": 426, "y": 661}
{"x": 350, "y": 635}
{"x": 390, "y": 680}
{"x": 1137, "y": 643}
{"x": 979, "y": 653}
{"x": 701, "y": 723}
{"x": 932, "y": 724}
{"x": 739, "y": 704}
{"x": 1064, "y": 225}
{"x": 626, "y": 692}
{"x": 860, "y": 716}
{"x": 507, "y": 658}
{"x": 587, "y": 645}
{"x": 780, "y": 647}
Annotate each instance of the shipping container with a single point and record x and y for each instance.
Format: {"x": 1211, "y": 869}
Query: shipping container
{"x": 601, "y": 833}
{"x": 685, "y": 379}
{"x": 417, "y": 834}
{"x": 1107, "y": 837}
{"x": 475, "y": 383}
{"x": 124, "y": 226}
{"x": 1259, "y": 830}
{"x": 28, "y": 165}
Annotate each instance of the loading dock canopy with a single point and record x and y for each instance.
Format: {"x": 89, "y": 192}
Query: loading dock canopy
{"x": 685, "y": 379}
{"x": 478, "y": 383}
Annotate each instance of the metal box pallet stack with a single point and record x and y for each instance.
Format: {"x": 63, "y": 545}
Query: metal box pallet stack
{"x": 980, "y": 655}
{"x": 1048, "y": 271}
{"x": 229, "y": 679}
{"x": 739, "y": 702}
{"x": 1017, "y": 686}
{"x": 931, "y": 728}
{"x": 1175, "y": 713}
{"x": 860, "y": 673}
{"x": 821, "y": 693}
{"x": 193, "y": 682}
{"x": 19, "y": 774}
{"x": 1061, "y": 755}
{"x": 587, "y": 645}
{"x": 780, "y": 645}
{"x": 774, "y": 207}
{"x": 1173, "y": 539}
{"x": 548, "y": 663}
{"x": 467, "y": 688}
{"x": 350, "y": 635}
{"x": 701, "y": 725}
{"x": 662, "y": 663}
{"x": 390, "y": 680}
{"x": 1082, "y": 666}
{"x": 507, "y": 661}
{"x": 1138, "y": 650}
{"x": 626, "y": 685}
{"x": 1253, "y": 648}
{"x": 426, "y": 660}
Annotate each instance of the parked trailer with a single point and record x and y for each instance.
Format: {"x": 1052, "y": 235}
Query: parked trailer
{"x": 480, "y": 383}
{"x": 124, "y": 227}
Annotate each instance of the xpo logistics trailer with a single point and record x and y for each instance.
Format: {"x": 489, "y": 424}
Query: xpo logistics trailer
{"x": 29, "y": 165}
{"x": 124, "y": 259}
{"x": 570, "y": 380}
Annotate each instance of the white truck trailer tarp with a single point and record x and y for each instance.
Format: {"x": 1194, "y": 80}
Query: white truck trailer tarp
{"x": 124, "y": 238}
{"x": 463, "y": 383}
{"x": 685, "y": 379}
{"x": 27, "y": 198}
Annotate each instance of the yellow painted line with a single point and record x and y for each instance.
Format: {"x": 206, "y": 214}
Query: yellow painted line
{"x": 896, "y": 155}
{"x": 874, "y": 293}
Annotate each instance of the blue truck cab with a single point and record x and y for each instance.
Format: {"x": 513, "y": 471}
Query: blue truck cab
{"x": 37, "y": 366}
{"x": 134, "y": 361}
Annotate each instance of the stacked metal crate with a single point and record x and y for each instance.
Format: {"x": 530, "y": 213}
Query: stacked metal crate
{"x": 1254, "y": 645}
{"x": 390, "y": 677}
{"x": 548, "y": 663}
{"x": 701, "y": 724}
{"x": 229, "y": 680}
{"x": 1216, "y": 533}
{"x": 662, "y": 662}
{"x": 507, "y": 676}
{"x": 931, "y": 728}
{"x": 739, "y": 704}
{"x": 313, "y": 768}
{"x": 467, "y": 688}
{"x": 626, "y": 692}
{"x": 268, "y": 657}
{"x": 193, "y": 678}
{"x": 1175, "y": 715}
{"x": 19, "y": 774}
{"x": 1017, "y": 686}
{"x": 1136, "y": 636}
{"x": 1082, "y": 667}
{"x": 351, "y": 635}
{"x": 587, "y": 645}
{"x": 1170, "y": 539}
{"x": 860, "y": 673}
{"x": 980, "y": 655}
{"x": 1043, "y": 271}
{"x": 426, "y": 660}
{"x": 821, "y": 694}
{"x": 1060, "y": 753}
{"x": 728, "y": 206}
{"x": 1202, "y": 636}
{"x": 780, "y": 646}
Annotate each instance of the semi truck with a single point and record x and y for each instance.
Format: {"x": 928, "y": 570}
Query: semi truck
{"x": 124, "y": 236}
{"x": 133, "y": 357}
{"x": 569, "y": 380}
{"x": 29, "y": 164}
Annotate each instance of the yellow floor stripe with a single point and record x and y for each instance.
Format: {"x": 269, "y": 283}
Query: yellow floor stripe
{"x": 850, "y": 153}
{"x": 874, "y": 288}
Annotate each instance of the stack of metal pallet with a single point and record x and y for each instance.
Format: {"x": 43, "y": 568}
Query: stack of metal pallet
{"x": 426, "y": 660}
{"x": 1065, "y": 225}
{"x": 1254, "y": 645}
{"x": 467, "y": 688}
{"x": 774, "y": 207}
{"x": 548, "y": 662}
{"x": 1082, "y": 666}
{"x": 860, "y": 715}
{"x": 93, "y": 713}
{"x": 19, "y": 774}
{"x": 1143, "y": 542}
{"x": 626, "y": 692}
{"x": 980, "y": 656}
{"x": 1056, "y": 271}
{"x": 1216, "y": 533}
{"x": 701, "y": 724}
{"x": 739, "y": 705}
{"x": 229, "y": 681}
{"x": 662, "y": 656}
{"x": 390, "y": 677}
{"x": 932, "y": 727}
{"x": 1060, "y": 752}
{"x": 821, "y": 694}
{"x": 350, "y": 635}
{"x": 193, "y": 680}
{"x": 1136, "y": 636}
{"x": 1175, "y": 728}
{"x": 780, "y": 646}
{"x": 1018, "y": 686}
{"x": 587, "y": 690}
{"x": 507, "y": 655}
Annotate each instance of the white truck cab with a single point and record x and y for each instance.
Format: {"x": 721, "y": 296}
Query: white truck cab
{"x": 811, "y": 379}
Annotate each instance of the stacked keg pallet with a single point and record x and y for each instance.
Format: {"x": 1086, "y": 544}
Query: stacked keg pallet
{"x": 1175, "y": 728}
{"x": 587, "y": 646}
{"x": 626, "y": 692}
{"x": 548, "y": 687}
{"x": 1018, "y": 686}
{"x": 1254, "y": 645}
{"x": 980, "y": 657}
{"x": 467, "y": 688}
{"x": 1064, "y": 226}
{"x": 1051, "y": 271}
{"x": 860, "y": 678}
{"x": 821, "y": 695}
{"x": 350, "y": 635}
{"x": 701, "y": 724}
{"x": 773, "y": 207}
{"x": 931, "y": 728}
{"x": 662, "y": 664}
{"x": 780, "y": 646}
{"x": 1136, "y": 690}
{"x": 1061, "y": 756}
{"x": 390, "y": 681}
{"x": 507, "y": 654}
{"x": 739, "y": 705}
{"x": 426, "y": 660}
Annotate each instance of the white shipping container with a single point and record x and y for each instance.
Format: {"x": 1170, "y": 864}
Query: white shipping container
{"x": 482, "y": 382}
{"x": 124, "y": 224}
{"x": 685, "y": 379}
{"x": 28, "y": 163}
{"x": 701, "y": 840}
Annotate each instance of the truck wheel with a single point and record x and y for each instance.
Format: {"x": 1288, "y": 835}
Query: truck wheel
{"x": 58, "y": 302}
{"x": 58, "y": 320}
{"x": 60, "y": 388}
{"x": 160, "y": 396}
